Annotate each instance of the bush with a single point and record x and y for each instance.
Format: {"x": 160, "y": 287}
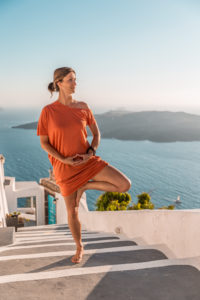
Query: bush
{"x": 113, "y": 201}
{"x": 119, "y": 201}
{"x": 167, "y": 207}
{"x": 144, "y": 202}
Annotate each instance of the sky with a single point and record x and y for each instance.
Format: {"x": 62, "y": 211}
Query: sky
{"x": 129, "y": 55}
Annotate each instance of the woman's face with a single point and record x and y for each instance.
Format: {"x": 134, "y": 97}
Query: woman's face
{"x": 68, "y": 83}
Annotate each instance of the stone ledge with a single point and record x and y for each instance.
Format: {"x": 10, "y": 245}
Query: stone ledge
{"x": 7, "y": 236}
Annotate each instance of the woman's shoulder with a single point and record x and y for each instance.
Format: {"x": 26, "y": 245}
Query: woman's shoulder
{"x": 82, "y": 104}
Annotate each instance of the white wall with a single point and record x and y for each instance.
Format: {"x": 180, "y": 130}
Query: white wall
{"x": 61, "y": 211}
{"x": 3, "y": 201}
{"x": 26, "y": 189}
{"x": 178, "y": 229}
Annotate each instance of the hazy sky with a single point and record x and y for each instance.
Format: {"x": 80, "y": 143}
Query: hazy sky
{"x": 128, "y": 54}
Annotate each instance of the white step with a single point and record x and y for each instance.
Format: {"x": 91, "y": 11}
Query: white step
{"x": 194, "y": 261}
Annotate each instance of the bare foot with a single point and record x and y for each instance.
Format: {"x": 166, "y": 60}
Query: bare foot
{"x": 78, "y": 256}
{"x": 78, "y": 196}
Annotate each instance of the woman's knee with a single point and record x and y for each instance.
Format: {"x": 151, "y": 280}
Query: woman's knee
{"x": 114, "y": 176}
{"x": 73, "y": 213}
{"x": 125, "y": 186}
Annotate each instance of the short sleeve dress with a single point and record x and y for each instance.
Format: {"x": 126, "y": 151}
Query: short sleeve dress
{"x": 66, "y": 129}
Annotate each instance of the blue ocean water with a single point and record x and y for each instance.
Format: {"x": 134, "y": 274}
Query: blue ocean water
{"x": 166, "y": 170}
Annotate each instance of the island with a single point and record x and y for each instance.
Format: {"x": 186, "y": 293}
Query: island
{"x": 155, "y": 126}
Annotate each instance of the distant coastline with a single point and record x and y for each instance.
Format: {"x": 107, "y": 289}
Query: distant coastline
{"x": 155, "y": 126}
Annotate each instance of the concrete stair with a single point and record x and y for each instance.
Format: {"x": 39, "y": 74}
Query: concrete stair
{"x": 38, "y": 266}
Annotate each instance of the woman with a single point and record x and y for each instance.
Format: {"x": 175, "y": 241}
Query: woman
{"x": 63, "y": 135}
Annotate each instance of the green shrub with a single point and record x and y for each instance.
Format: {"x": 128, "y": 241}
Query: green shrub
{"x": 119, "y": 201}
{"x": 113, "y": 201}
{"x": 144, "y": 202}
{"x": 167, "y": 207}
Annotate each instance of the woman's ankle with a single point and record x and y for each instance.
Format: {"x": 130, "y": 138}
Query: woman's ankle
{"x": 80, "y": 245}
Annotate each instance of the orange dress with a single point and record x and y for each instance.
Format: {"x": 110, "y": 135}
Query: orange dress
{"x": 66, "y": 129}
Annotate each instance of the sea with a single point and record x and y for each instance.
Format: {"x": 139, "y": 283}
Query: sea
{"x": 164, "y": 170}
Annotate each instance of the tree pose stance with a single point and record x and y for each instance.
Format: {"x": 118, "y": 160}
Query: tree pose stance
{"x": 76, "y": 167}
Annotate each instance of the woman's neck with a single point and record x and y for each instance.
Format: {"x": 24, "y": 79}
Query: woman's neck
{"x": 65, "y": 99}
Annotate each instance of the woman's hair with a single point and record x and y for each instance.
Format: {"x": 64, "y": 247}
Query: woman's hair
{"x": 59, "y": 74}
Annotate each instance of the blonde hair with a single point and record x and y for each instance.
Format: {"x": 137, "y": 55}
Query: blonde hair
{"x": 59, "y": 74}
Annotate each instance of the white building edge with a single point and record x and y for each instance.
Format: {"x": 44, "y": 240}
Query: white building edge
{"x": 178, "y": 229}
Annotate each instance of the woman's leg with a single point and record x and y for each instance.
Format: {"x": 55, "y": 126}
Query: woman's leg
{"x": 74, "y": 224}
{"x": 108, "y": 179}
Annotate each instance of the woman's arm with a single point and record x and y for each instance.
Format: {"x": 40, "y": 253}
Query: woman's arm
{"x": 95, "y": 142}
{"x": 44, "y": 141}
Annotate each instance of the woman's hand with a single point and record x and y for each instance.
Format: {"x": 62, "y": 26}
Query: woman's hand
{"x": 77, "y": 159}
